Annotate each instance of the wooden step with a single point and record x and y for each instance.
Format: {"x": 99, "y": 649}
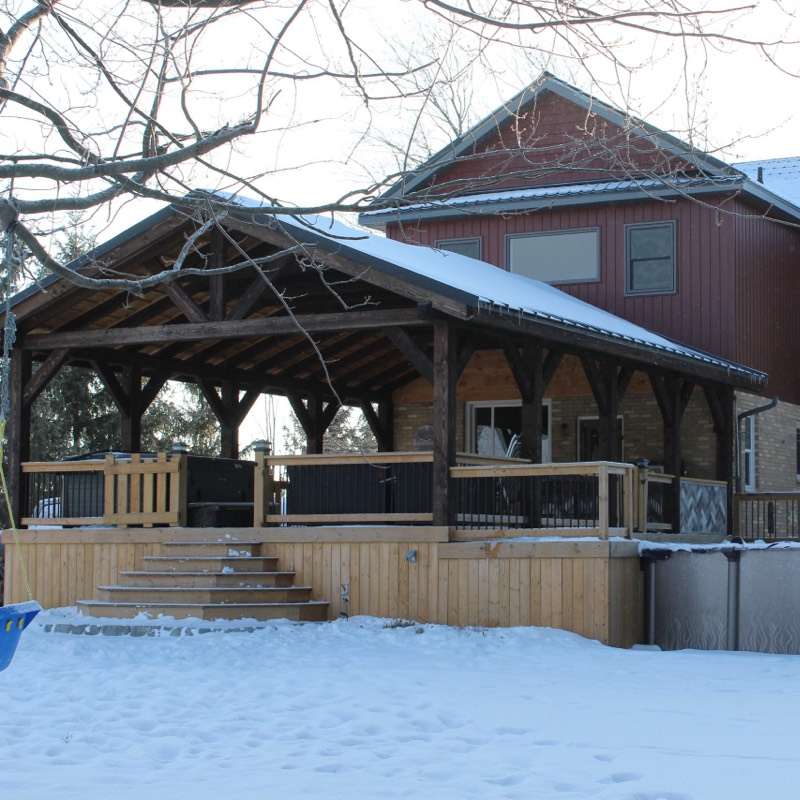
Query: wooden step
{"x": 201, "y": 580}
{"x": 313, "y": 611}
{"x": 177, "y": 594}
{"x": 225, "y": 549}
{"x": 210, "y": 563}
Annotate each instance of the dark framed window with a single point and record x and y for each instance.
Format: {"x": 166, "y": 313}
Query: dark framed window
{"x": 556, "y": 256}
{"x": 650, "y": 258}
{"x": 471, "y": 247}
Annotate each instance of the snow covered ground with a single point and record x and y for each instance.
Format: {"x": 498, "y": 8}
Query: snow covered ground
{"x": 358, "y": 709}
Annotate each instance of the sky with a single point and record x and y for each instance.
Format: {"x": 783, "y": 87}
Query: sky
{"x": 320, "y": 140}
{"x": 364, "y": 708}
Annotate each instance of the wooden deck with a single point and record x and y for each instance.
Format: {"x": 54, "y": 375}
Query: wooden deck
{"x": 590, "y": 587}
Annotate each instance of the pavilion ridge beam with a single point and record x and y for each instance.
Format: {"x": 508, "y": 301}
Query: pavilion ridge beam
{"x": 326, "y": 258}
{"x": 240, "y": 329}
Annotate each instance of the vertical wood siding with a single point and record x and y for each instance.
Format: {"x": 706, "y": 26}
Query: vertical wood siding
{"x": 584, "y": 590}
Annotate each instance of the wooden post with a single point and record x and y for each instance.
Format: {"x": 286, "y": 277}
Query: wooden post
{"x": 602, "y": 501}
{"x": 721, "y": 405}
{"x": 132, "y": 413}
{"x": 109, "y": 490}
{"x": 263, "y": 491}
{"x": 444, "y": 422}
{"x": 672, "y": 395}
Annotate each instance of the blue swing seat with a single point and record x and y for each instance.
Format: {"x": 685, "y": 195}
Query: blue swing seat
{"x": 13, "y": 620}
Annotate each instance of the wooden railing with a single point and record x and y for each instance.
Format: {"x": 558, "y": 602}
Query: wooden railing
{"x": 653, "y": 500}
{"x": 767, "y": 515}
{"x": 122, "y": 492}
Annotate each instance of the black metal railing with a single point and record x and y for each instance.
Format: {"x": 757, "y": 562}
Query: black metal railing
{"x": 774, "y": 515}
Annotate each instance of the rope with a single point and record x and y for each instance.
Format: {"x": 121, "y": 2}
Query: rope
{"x": 20, "y": 555}
{"x": 9, "y": 337}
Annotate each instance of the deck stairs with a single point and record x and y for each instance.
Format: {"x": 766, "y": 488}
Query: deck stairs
{"x": 209, "y": 581}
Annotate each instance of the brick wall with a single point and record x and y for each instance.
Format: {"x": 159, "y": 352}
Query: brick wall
{"x": 642, "y": 428}
{"x": 775, "y": 443}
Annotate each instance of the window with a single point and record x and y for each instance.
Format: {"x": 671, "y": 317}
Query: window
{"x": 797, "y": 434}
{"x": 464, "y": 247}
{"x": 493, "y": 429}
{"x": 749, "y": 454}
{"x": 650, "y": 258}
{"x": 556, "y": 256}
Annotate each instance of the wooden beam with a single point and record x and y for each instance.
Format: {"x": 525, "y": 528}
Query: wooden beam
{"x": 247, "y": 300}
{"x": 242, "y": 329}
{"x": 184, "y": 302}
{"x": 216, "y": 297}
{"x": 409, "y": 348}
{"x": 118, "y": 394}
{"x": 444, "y": 422}
{"x": 46, "y": 372}
{"x": 380, "y": 424}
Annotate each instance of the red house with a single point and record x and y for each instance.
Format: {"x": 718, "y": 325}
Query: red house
{"x": 561, "y": 187}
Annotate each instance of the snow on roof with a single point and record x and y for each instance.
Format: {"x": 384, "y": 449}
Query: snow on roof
{"x": 559, "y": 191}
{"x": 484, "y": 285}
{"x": 780, "y": 175}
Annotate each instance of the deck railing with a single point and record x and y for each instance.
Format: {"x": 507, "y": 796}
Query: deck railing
{"x": 767, "y": 515}
{"x": 132, "y": 490}
{"x": 584, "y": 499}
{"x": 654, "y": 498}
{"x": 592, "y": 499}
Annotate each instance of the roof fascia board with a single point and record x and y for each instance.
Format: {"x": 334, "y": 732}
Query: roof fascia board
{"x": 379, "y": 219}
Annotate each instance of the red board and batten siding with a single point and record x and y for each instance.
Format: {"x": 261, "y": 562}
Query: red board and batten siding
{"x": 766, "y": 301}
{"x": 700, "y": 313}
{"x": 570, "y": 144}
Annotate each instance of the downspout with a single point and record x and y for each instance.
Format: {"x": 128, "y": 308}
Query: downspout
{"x": 739, "y": 418}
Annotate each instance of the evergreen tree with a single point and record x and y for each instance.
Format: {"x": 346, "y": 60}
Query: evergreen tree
{"x": 76, "y": 414}
{"x": 348, "y": 433}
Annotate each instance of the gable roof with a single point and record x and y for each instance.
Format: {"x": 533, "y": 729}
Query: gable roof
{"x": 778, "y": 193}
{"x": 473, "y": 292}
{"x": 521, "y": 102}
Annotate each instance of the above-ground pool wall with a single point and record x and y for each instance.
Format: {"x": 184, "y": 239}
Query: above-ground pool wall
{"x": 745, "y": 600}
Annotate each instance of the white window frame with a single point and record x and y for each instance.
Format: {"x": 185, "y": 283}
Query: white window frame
{"x": 553, "y": 235}
{"x": 748, "y": 455}
{"x": 469, "y": 422}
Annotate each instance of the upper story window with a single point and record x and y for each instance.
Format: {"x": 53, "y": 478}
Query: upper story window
{"x": 471, "y": 246}
{"x": 650, "y": 258}
{"x": 556, "y": 256}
